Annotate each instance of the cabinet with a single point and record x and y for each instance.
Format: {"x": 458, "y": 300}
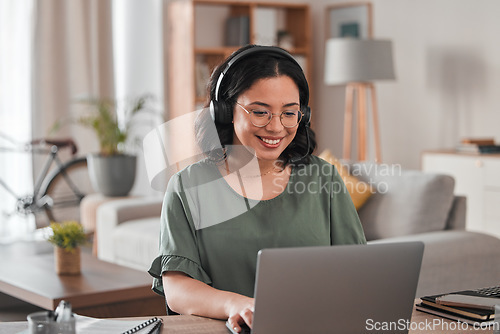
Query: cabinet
{"x": 204, "y": 32}
{"x": 478, "y": 178}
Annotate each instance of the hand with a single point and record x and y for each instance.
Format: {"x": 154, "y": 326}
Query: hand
{"x": 241, "y": 312}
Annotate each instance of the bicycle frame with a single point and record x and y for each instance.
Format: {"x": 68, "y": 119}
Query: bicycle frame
{"x": 33, "y": 203}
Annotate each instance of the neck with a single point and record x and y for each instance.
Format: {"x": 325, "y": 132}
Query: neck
{"x": 266, "y": 166}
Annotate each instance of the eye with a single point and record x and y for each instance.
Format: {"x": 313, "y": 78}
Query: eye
{"x": 261, "y": 113}
{"x": 290, "y": 113}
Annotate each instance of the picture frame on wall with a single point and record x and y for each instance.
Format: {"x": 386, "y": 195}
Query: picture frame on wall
{"x": 349, "y": 20}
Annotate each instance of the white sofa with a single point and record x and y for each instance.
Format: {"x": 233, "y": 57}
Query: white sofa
{"x": 127, "y": 231}
{"x": 416, "y": 206}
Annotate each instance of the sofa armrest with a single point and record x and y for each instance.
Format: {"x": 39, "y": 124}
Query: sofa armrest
{"x": 109, "y": 215}
{"x": 456, "y": 218}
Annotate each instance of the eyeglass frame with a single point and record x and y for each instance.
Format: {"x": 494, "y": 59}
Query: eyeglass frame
{"x": 301, "y": 114}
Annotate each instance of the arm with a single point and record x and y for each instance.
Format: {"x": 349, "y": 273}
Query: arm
{"x": 186, "y": 295}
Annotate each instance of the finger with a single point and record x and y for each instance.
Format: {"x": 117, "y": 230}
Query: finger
{"x": 247, "y": 316}
{"x": 234, "y": 323}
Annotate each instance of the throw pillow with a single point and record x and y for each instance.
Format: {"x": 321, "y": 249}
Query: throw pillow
{"x": 360, "y": 191}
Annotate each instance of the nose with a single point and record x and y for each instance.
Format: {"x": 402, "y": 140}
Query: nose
{"x": 275, "y": 123}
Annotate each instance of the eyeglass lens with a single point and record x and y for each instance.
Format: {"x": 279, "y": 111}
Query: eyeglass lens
{"x": 262, "y": 117}
{"x": 289, "y": 118}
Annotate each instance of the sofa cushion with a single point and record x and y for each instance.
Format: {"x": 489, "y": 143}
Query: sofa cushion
{"x": 359, "y": 191}
{"x": 135, "y": 242}
{"x": 455, "y": 260}
{"x": 405, "y": 201}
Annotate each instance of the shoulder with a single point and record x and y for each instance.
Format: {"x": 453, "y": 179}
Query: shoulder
{"x": 198, "y": 173}
{"x": 316, "y": 167}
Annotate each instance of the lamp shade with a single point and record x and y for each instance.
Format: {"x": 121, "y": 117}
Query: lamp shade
{"x": 358, "y": 60}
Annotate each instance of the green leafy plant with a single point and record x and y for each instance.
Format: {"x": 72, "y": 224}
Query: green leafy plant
{"x": 67, "y": 235}
{"x": 102, "y": 119}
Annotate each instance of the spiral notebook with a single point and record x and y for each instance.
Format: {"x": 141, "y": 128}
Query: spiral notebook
{"x": 151, "y": 326}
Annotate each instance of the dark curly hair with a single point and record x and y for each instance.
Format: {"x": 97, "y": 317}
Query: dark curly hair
{"x": 239, "y": 78}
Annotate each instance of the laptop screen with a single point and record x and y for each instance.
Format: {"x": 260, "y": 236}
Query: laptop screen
{"x": 341, "y": 289}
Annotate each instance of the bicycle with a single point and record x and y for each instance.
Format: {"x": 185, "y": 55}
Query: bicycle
{"x": 59, "y": 187}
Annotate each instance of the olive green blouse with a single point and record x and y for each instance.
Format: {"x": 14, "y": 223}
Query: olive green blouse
{"x": 213, "y": 234}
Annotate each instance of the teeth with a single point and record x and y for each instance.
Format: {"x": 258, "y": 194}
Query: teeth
{"x": 271, "y": 142}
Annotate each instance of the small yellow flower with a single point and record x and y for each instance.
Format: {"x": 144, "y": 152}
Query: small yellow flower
{"x": 67, "y": 235}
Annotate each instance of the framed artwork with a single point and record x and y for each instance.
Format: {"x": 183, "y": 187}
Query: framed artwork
{"x": 349, "y": 20}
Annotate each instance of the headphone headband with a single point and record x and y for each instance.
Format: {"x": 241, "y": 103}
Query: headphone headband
{"x": 220, "y": 111}
{"x": 271, "y": 50}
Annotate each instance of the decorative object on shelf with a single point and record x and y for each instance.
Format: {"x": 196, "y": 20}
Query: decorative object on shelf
{"x": 266, "y": 26}
{"x": 353, "y": 58}
{"x": 352, "y": 20}
{"x": 285, "y": 40}
{"x": 67, "y": 237}
{"x": 112, "y": 170}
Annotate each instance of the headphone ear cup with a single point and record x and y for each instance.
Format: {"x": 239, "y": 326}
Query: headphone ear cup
{"x": 221, "y": 112}
{"x": 306, "y": 115}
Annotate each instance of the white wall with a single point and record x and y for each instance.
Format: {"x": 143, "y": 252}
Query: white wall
{"x": 447, "y": 55}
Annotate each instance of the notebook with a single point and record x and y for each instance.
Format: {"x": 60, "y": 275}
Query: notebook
{"x": 337, "y": 289}
{"x": 463, "y": 313}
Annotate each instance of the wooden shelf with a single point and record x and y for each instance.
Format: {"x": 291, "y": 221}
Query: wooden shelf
{"x": 198, "y": 42}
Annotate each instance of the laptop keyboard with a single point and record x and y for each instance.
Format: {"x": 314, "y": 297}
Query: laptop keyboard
{"x": 493, "y": 292}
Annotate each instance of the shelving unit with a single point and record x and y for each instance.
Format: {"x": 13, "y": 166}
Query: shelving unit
{"x": 198, "y": 41}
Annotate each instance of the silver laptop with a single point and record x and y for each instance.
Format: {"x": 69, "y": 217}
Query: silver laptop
{"x": 338, "y": 289}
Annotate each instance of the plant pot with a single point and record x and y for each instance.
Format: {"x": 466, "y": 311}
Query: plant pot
{"x": 112, "y": 175}
{"x": 67, "y": 262}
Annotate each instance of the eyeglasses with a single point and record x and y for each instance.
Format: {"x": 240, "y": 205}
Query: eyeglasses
{"x": 262, "y": 117}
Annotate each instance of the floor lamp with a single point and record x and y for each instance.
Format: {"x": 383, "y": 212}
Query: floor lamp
{"x": 356, "y": 63}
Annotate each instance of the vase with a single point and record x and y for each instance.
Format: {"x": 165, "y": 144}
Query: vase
{"x": 67, "y": 262}
{"x": 112, "y": 175}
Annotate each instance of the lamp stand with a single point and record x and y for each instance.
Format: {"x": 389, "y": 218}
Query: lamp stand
{"x": 359, "y": 90}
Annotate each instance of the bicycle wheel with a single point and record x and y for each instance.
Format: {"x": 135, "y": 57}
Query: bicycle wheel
{"x": 66, "y": 188}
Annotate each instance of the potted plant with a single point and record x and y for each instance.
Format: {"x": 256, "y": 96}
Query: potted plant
{"x": 67, "y": 237}
{"x": 112, "y": 170}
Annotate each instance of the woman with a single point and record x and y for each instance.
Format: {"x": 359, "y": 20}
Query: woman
{"x": 218, "y": 213}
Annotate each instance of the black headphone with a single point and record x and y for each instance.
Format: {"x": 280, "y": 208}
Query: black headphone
{"x": 222, "y": 112}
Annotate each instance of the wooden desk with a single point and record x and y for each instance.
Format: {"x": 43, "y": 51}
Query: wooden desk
{"x": 103, "y": 289}
{"x": 184, "y": 324}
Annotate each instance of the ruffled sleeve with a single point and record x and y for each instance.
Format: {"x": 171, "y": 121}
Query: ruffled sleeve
{"x": 165, "y": 263}
{"x": 178, "y": 250}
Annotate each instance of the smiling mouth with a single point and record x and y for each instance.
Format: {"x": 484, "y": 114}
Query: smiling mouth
{"x": 270, "y": 141}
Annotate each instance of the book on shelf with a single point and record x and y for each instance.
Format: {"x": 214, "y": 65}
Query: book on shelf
{"x": 478, "y": 141}
{"x": 237, "y": 30}
{"x": 475, "y": 148}
{"x": 478, "y": 145}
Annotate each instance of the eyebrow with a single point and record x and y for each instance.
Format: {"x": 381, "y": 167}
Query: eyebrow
{"x": 263, "y": 104}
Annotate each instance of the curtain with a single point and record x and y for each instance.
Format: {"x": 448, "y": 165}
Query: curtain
{"x": 16, "y": 55}
{"x": 52, "y": 52}
{"x": 74, "y": 59}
